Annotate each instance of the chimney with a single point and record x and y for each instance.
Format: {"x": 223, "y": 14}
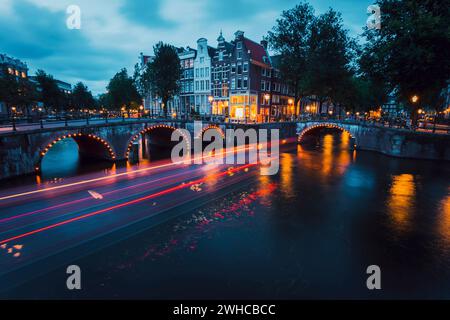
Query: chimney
{"x": 264, "y": 43}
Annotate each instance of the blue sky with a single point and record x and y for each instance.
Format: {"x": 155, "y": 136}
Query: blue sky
{"x": 114, "y": 32}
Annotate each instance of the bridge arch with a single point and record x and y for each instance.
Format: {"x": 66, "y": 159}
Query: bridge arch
{"x": 87, "y": 143}
{"x": 135, "y": 137}
{"x": 210, "y": 127}
{"x": 319, "y": 126}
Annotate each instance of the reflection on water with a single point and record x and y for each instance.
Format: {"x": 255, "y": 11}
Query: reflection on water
{"x": 63, "y": 160}
{"x": 308, "y": 232}
{"x": 444, "y": 220}
{"x": 401, "y": 201}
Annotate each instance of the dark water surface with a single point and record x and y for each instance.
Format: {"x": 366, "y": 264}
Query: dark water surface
{"x": 309, "y": 232}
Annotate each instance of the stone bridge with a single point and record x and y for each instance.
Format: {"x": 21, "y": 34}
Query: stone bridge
{"x": 21, "y": 152}
{"x": 390, "y": 141}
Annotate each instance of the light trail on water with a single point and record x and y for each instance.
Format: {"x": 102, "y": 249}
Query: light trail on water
{"x": 125, "y": 204}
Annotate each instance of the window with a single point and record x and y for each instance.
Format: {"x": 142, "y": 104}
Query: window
{"x": 196, "y": 73}
{"x": 239, "y": 69}
{"x": 263, "y": 71}
{"x": 196, "y": 85}
{"x": 239, "y": 45}
{"x": 220, "y": 56}
{"x": 207, "y": 72}
{"x": 233, "y": 84}
{"x": 245, "y": 66}
{"x": 202, "y": 85}
{"x": 207, "y": 84}
{"x": 239, "y": 83}
{"x": 202, "y": 72}
{"x": 245, "y": 84}
{"x": 239, "y": 55}
{"x": 263, "y": 85}
{"x": 202, "y": 60}
{"x": 233, "y": 68}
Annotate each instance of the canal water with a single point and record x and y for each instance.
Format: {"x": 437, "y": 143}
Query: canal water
{"x": 309, "y": 232}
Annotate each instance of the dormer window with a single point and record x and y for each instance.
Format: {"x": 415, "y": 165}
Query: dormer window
{"x": 239, "y": 45}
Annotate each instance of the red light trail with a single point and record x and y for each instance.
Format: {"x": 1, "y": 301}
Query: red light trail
{"x": 132, "y": 202}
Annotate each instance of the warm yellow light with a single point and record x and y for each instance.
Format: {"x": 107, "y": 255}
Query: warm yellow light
{"x": 267, "y": 97}
{"x": 291, "y": 101}
{"x": 414, "y": 99}
{"x": 141, "y": 108}
{"x": 210, "y": 99}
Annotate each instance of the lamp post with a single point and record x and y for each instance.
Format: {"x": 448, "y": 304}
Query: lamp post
{"x": 267, "y": 99}
{"x": 141, "y": 109}
{"x": 211, "y": 100}
{"x": 13, "y": 109}
{"x": 123, "y": 113}
{"x": 291, "y": 105}
{"x": 40, "y": 118}
{"x": 415, "y": 100}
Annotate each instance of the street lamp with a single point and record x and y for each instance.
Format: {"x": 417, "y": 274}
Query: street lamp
{"x": 40, "y": 118}
{"x": 13, "y": 109}
{"x": 414, "y": 99}
{"x": 267, "y": 98}
{"x": 141, "y": 108}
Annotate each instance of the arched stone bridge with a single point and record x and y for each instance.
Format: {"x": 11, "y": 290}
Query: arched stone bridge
{"x": 389, "y": 141}
{"x": 21, "y": 152}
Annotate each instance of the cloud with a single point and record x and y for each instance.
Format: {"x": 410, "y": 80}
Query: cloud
{"x": 113, "y": 33}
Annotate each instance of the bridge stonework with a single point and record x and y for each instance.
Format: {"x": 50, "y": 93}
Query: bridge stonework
{"x": 21, "y": 152}
{"x": 389, "y": 141}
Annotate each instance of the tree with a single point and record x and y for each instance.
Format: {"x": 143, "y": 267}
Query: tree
{"x": 50, "y": 94}
{"x": 410, "y": 51}
{"x": 331, "y": 57}
{"x": 122, "y": 91}
{"x": 81, "y": 97}
{"x": 290, "y": 37}
{"x": 8, "y": 88}
{"x": 163, "y": 73}
{"x": 16, "y": 91}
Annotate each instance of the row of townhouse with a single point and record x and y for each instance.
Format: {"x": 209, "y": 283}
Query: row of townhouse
{"x": 237, "y": 80}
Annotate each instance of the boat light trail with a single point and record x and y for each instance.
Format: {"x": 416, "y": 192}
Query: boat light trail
{"x": 125, "y": 204}
{"x": 107, "y": 177}
{"x": 61, "y": 205}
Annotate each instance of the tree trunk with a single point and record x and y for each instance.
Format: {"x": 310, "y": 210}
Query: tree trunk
{"x": 164, "y": 106}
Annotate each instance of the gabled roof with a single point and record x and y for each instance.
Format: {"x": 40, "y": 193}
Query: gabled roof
{"x": 257, "y": 52}
{"x": 211, "y": 51}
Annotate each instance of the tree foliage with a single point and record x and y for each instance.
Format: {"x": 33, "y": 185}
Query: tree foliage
{"x": 163, "y": 73}
{"x": 122, "y": 92}
{"x": 82, "y": 98}
{"x": 317, "y": 54}
{"x": 290, "y": 37}
{"x": 410, "y": 51}
{"x": 49, "y": 94}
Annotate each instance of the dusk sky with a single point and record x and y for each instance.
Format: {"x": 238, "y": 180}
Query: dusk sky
{"x": 114, "y": 32}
